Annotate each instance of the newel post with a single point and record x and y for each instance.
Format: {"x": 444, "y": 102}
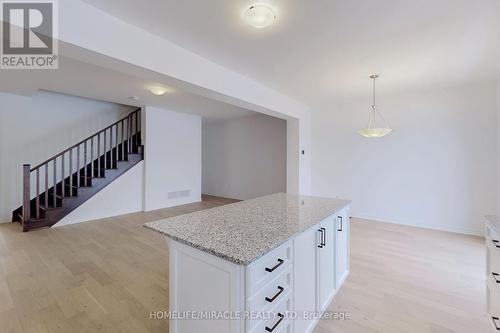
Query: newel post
{"x": 26, "y": 194}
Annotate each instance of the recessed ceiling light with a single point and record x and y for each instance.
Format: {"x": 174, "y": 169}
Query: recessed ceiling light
{"x": 260, "y": 15}
{"x": 158, "y": 90}
{"x": 134, "y": 98}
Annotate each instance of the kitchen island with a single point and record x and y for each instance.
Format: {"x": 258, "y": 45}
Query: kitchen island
{"x": 270, "y": 264}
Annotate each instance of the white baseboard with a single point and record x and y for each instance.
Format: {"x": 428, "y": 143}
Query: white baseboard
{"x": 222, "y": 196}
{"x": 5, "y": 220}
{"x": 175, "y": 202}
{"x": 423, "y": 226}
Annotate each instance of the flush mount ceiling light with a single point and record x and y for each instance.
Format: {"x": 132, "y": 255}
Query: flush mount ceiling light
{"x": 375, "y": 129}
{"x": 260, "y": 15}
{"x": 158, "y": 90}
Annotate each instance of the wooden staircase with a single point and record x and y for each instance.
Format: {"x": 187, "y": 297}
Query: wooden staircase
{"x": 56, "y": 187}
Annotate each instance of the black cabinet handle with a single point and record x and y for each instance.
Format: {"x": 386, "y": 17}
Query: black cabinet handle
{"x": 324, "y": 236}
{"x": 277, "y": 323}
{"x": 321, "y": 238}
{"x": 270, "y": 300}
{"x": 341, "y": 223}
{"x": 495, "y": 242}
{"x": 495, "y": 276}
{"x": 280, "y": 262}
{"x": 495, "y": 319}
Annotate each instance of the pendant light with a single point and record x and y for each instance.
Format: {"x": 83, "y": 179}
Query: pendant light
{"x": 375, "y": 129}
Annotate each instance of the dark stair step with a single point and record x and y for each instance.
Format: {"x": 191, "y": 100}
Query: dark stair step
{"x": 85, "y": 181}
{"x": 36, "y": 224}
{"x": 49, "y": 208}
{"x": 68, "y": 190}
{"x": 33, "y": 223}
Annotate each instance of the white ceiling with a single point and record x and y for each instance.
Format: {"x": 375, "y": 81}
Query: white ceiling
{"x": 78, "y": 78}
{"x": 326, "y": 48}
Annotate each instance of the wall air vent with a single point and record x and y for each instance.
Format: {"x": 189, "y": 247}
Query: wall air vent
{"x": 179, "y": 194}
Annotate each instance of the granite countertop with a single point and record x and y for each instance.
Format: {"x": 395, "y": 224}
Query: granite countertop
{"x": 494, "y": 222}
{"x": 245, "y": 231}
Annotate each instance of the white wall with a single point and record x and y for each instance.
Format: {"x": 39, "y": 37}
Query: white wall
{"x": 172, "y": 158}
{"x": 498, "y": 147}
{"x": 124, "y": 195}
{"x": 245, "y": 157}
{"x": 33, "y": 129}
{"x": 110, "y": 36}
{"x": 438, "y": 169}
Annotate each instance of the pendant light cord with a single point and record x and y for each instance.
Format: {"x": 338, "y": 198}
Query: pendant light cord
{"x": 374, "y": 100}
{"x": 373, "y": 130}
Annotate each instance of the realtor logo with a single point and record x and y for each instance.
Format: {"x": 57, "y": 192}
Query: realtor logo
{"x": 29, "y": 34}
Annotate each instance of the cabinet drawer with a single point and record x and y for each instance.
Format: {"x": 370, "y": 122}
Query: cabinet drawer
{"x": 493, "y": 297}
{"x": 276, "y": 320}
{"x": 284, "y": 327}
{"x": 268, "y": 267}
{"x": 272, "y": 293}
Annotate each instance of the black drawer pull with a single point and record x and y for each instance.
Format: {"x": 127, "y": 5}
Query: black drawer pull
{"x": 277, "y": 323}
{"x": 495, "y": 319}
{"x": 341, "y": 223}
{"x": 495, "y": 242}
{"x": 270, "y": 300}
{"x": 495, "y": 276}
{"x": 280, "y": 262}
{"x": 321, "y": 236}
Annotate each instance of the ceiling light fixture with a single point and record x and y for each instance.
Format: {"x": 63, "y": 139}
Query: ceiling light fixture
{"x": 158, "y": 90}
{"x": 373, "y": 130}
{"x": 260, "y": 15}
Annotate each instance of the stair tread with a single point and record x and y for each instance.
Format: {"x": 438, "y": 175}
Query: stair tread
{"x": 34, "y": 219}
{"x": 49, "y": 208}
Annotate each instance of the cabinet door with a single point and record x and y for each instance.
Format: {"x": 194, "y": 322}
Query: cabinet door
{"x": 326, "y": 264}
{"x": 304, "y": 282}
{"x": 342, "y": 247}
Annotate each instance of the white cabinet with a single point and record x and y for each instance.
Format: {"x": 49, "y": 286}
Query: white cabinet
{"x": 326, "y": 262}
{"x": 342, "y": 247}
{"x": 304, "y": 270}
{"x": 321, "y": 264}
{"x": 200, "y": 282}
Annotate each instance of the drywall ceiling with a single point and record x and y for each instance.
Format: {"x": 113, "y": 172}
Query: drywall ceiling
{"x": 324, "y": 48}
{"x": 82, "y": 79}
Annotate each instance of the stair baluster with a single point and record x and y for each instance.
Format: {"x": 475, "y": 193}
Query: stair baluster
{"x": 37, "y": 208}
{"x": 46, "y": 186}
{"x": 62, "y": 176}
{"x": 54, "y": 188}
{"x": 116, "y": 145}
{"x": 71, "y": 172}
{"x": 26, "y": 194}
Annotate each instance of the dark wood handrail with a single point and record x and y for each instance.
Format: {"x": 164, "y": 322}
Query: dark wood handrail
{"x": 83, "y": 141}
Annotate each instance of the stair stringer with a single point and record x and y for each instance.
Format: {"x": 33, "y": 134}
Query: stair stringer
{"x": 122, "y": 196}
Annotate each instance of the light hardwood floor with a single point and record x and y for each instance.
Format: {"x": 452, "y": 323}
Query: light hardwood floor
{"x": 107, "y": 276}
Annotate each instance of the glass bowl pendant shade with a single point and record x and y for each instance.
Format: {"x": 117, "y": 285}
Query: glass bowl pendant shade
{"x": 377, "y": 125}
